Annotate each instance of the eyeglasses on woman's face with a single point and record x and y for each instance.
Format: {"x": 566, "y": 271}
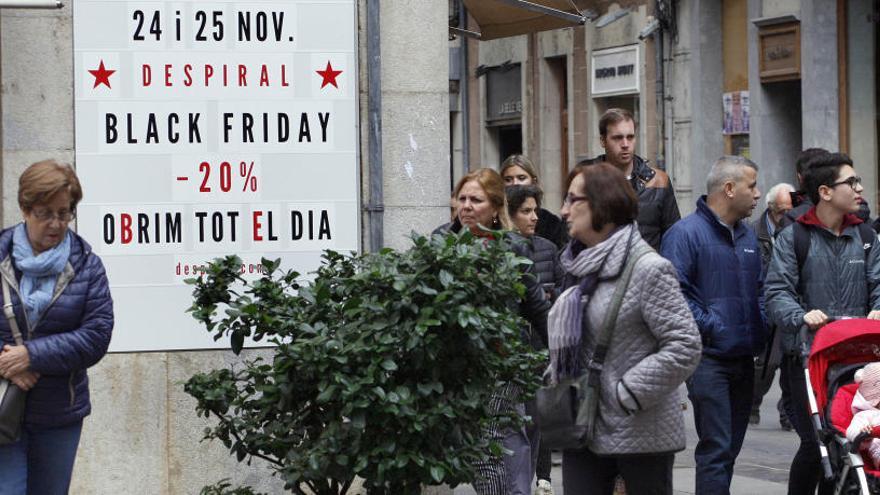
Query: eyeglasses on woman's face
{"x": 47, "y": 215}
{"x": 571, "y": 199}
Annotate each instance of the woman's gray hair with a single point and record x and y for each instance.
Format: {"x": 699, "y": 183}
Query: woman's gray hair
{"x": 728, "y": 168}
{"x": 770, "y": 198}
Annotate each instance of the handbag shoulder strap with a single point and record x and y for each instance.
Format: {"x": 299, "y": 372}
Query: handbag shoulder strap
{"x": 604, "y": 336}
{"x": 10, "y": 314}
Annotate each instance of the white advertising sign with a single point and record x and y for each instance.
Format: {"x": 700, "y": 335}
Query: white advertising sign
{"x": 615, "y": 71}
{"x": 205, "y": 129}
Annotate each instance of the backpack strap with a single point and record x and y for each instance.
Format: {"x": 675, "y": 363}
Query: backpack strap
{"x": 594, "y": 366}
{"x": 869, "y": 237}
{"x": 801, "y": 244}
{"x": 802, "y": 241}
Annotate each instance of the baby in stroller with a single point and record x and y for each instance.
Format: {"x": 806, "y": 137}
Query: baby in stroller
{"x": 866, "y": 414}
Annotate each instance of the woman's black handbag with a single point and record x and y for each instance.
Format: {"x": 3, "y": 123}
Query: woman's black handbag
{"x": 11, "y": 411}
{"x": 567, "y": 410}
{"x": 565, "y": 413}
{"x": 12, "y": 398}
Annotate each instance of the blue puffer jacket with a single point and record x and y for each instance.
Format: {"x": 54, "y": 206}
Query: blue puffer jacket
{"x": 721, "y": 278}
{"x": 72, "y": 334}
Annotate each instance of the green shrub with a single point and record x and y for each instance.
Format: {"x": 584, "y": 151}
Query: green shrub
{"x": 383, "y": 365}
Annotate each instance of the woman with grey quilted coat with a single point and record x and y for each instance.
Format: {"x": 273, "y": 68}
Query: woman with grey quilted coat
{"x": 654, "y": 344}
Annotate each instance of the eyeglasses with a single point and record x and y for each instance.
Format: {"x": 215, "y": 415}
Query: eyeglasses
{"x": 48, "y": 215}
{"x": 852, "y": 182}
{"x": 571, "y": 199}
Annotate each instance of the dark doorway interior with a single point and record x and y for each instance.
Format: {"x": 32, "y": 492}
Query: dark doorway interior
{"x": 509, "y": 141}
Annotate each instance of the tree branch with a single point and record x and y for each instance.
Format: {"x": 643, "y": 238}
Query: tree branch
{"x": 235, "y": 434}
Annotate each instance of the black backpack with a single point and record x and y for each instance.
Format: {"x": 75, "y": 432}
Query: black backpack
{"x": 802, "y": 241}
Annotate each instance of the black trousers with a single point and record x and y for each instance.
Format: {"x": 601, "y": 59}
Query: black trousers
{"x": 545, "y": 464}
{"x": 806, "y": 469}
{"x": 586, "y": 472}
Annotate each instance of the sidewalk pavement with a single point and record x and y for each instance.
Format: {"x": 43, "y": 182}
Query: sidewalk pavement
{"x": 761, "y": 468}
{"x": 683, "y": 480}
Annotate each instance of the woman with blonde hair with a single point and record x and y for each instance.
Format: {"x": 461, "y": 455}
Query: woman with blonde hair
{"x": 482, "y": 207}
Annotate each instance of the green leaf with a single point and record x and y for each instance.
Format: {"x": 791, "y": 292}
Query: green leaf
{"x": 375, "y": 356}
{"x": 326, "y": 394}
{"x": 437, "y": 473}
{"x": 237, "y": 341}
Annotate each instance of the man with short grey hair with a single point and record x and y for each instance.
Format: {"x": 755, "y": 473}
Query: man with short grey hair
{"x": 778, "y": 202}
{"x": 718, "y": 262}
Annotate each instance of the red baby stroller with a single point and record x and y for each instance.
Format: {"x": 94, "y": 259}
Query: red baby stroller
{"x": 838, "y": 351}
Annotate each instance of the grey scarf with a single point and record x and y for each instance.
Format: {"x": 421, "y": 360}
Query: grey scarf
{"x": 565, "y": 321}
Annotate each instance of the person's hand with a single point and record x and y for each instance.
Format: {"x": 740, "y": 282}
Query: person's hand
{"x": 14, "y": 359}
{"x": 25, "y": 380}
{"x": 815, "y": 319}
{"x": 874, "y": 315}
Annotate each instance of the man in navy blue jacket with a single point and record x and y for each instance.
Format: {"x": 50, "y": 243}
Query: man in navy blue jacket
{"x": 718, "y": 261}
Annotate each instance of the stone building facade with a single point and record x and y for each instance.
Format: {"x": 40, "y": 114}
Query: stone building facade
{"x": 710, "y": 52}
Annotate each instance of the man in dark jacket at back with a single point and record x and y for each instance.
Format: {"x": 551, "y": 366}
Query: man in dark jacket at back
{"x": 800, "y": 200}
{"x": 778, "y": 204}
{"x": 718, "y": 262}
{"x": 837, "y": 273}
{"x": 658, "y": 209}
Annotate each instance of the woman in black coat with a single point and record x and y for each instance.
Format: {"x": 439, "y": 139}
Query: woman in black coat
{"x": 523, "y": 205}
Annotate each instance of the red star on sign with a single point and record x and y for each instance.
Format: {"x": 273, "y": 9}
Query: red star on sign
{"x": 329, "y": 75}
{"x": 102, "y": 75}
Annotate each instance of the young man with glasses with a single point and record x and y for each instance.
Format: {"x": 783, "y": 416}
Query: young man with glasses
{"x": 823, "y": 266}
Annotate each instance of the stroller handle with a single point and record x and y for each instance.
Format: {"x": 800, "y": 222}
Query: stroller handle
{"x": 804, "y": 334}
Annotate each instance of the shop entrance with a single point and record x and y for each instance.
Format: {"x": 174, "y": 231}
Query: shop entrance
{"x": 509, "y": 140}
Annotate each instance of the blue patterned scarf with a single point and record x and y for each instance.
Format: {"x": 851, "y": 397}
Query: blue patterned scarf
{"x": 39, "y": 273}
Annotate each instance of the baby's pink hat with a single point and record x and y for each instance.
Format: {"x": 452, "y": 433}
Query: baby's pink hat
{"x": 868, "y": 379}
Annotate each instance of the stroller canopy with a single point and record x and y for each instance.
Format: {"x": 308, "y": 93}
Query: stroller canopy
{"x": 841, "y": 342}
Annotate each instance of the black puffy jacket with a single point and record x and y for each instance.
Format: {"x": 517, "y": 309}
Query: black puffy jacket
{"x": 545, "y": 267}
{"x": 551, "y": 228}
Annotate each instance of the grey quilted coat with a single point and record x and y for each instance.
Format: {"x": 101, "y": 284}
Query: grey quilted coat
{"x": 654, "y": 348}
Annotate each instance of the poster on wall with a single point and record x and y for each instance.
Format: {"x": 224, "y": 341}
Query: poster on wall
{"x": 205, "y": 129}
{"x": 736, "y": 113}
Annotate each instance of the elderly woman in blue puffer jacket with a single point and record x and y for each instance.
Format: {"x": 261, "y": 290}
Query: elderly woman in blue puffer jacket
{"x": 63, "y": 310}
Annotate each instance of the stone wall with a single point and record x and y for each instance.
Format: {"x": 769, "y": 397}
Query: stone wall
{"x": 143, "y": 436}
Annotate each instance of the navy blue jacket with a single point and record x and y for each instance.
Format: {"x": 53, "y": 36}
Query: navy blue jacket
{"x": 72, "y": 334}
{"x": 721, "y": 278}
